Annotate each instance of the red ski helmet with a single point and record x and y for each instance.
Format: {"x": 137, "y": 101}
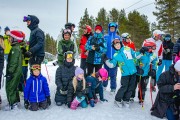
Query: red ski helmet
{"x": 150, "y": 45}
{"x": 17, "y": 36}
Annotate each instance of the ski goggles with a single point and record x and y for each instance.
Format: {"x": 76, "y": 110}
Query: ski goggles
{"x": 112, "y": 25}
{"x": 66, "y": 31}
{"x": 26, "y": 18}
{"x": 115, "y": 41}
{"x": 69, "y": 55}
{"x": 167, "y": 38}
{"x": 35, "y": 67}
{"x": 128, "y": 36}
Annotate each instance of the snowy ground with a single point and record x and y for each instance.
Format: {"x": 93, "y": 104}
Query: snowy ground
{"x": 102, "y": 111}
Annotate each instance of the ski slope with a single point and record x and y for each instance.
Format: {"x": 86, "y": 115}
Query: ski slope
{"x": 101, "y": 111}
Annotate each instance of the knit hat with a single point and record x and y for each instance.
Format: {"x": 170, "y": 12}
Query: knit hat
{"x": 79, "y": 71}
{"x": 177, "y": 66}
{"x": 98, "y": 27}
{"x": 17, "y": 36}
{"x": 6, "y": 29}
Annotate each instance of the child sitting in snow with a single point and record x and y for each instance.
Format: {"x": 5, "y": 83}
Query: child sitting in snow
{"x": 94, "y": 81}
{"x": 77, "y": 91}
{"x": 36, "y": 91}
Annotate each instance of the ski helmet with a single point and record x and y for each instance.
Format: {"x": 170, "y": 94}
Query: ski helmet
{"x": 17, "y": 36}
{"x": 69, "y": 54}
{"x": 98, "y": 27}
{"x": 102, "y": 73}
{"x": 157, "y": 33}
{"x": 150, "y": 45}
{"x": 125, "y": 36}
{"x": 88, "y": 28}
{"x": 115, "y": 41}
{"x": 66, "y": 31}
{"x": 69, "y": 25}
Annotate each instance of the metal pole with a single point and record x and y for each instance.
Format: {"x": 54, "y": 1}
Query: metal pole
{"x": 67, "y": 11}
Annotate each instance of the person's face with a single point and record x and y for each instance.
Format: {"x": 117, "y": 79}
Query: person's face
{"x": 7, "y": 32}
{"x": 85, "y": 31}
{"x": 98, "y": 31}
{"x": 66, "y": 36}
{"x": 72, "y": 28}
{"x": 117, "y": 46}
{"x": 10, "y": 39}
{"x": 99, "y": 78}
{"x": 128, "y": 39}
{"x": 28, "y": 23}
{"x": 81, "y": 76}
{"x": 36, "y": 72}
{"x": 112, "y": 29}
{"x": 69, "y": 59}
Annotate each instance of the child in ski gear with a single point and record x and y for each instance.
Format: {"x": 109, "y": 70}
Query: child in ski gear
{"x": 112, "y": 34}
{"x": 87, "y": 33}
{"x": 143, "y": 69}
{"x": 96, "y": 45}
{"x": 167, "y": 100}
{"x": 65, "y": 45}
{"x": 36, "y": 91}
{"x": 126, "y": 39}
{"x": 7, "y": 43}
{"x": 36, "y": 41}
{"x": 24, "y": 48}
{"x": 14, "y": 68}
{"x": 167, "y": 55}
{"x": 77, "y": 90}
{"x": 124, "y": 58}
{"x": 64, "y": 75}
{"x": 176, "y": 51}
{"x": 94, "y": 82}
{"x": 1, "y": 60}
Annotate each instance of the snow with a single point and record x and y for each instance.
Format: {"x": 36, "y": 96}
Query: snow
{"x": 101, "y": 111}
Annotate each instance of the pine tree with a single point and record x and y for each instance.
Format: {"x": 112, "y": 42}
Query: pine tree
{"x": 168, "y": 16}
{"x": 114, "y": 15}
{"x": 102, "y": 19}
{"x": 122, "y": 22}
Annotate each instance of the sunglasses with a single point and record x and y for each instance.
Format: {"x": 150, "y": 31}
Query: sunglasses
{"x": 26, "y": 18}
{"x": 36, "y": 67}
{"x": 67, "y": 31}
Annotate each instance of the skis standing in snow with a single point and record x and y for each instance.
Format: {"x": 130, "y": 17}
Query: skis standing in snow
{"x": 124, "y": 58}
{"x": 94, "y": 82}
{"x": 112, "y": 34}
{"x": 36, "y": 92}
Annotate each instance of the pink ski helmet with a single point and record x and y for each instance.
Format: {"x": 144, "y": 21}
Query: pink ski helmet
{"x": 103, "y": 74}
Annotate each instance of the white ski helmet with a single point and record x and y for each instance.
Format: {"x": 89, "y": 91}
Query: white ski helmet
{"x": 157, "y": 33}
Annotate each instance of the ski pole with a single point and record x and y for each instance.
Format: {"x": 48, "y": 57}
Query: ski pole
{"x": 140, "y": 91}
{"x": 150, "y": 78}
{"x": 47, "y": 73}
{"x": 3, "y": 81}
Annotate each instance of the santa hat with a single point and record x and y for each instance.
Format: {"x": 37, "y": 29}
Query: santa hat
{"x": 79, "y": 71}
{"x": 17, "y": 35}
{"x": 177, "y": 66}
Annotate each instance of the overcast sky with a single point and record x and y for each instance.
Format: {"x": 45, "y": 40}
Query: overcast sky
{"x": 52, "y": 13}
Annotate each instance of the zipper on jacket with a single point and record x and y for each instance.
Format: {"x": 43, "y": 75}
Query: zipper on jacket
{"x": 37, "y": 90}
{"x": 41, "y": 85}
{"x": 33, "y": 85}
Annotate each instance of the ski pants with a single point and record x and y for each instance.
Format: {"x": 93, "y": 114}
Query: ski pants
{"x": 166, "y": 64}
{"x": 83, "y": 65}
{"x": 91, "y": 68}
{"x": 23, "y": 78}
{"x": 41, "y": 105}
{"x": 112, "y": 73}
{"x": 126, "y": 89}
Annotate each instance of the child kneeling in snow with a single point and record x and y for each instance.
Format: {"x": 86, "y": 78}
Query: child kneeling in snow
{"x": 94, "y": 81}
{"x": 36, "y": 91}
{"x": 77, "y": 91}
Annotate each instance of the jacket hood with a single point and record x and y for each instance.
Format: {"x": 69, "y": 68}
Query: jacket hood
{"x": 115, "y": 25}
{"x": 34, "y": 22}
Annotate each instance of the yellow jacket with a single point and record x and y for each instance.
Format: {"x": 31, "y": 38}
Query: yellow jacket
{"x": 7, "y": 44}
{"x": 25, "y": 60}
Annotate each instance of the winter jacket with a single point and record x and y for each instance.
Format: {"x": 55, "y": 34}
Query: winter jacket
{"x": 95, "y": 86}
{"x": 24, "y": 49}
{"x": 167, "y": 45}
{"x": 129, "y": 44}
{"x": 73, "y": 93}
{"x": 176, "y": 48}
{"x": 37, "y": 38}
{"x": 145, "y": 61}
{"x": 164, "y": 98}
{"x": 64, "y": 75}
{"x": 96, "y": 56}
{"x": 125, "y": 59}
{"x": 109, "y": 38}
{"x": 1, "y": 55}
{"x": 36, "y": 89}
{"x": 83, "y": 41}
{"x": 64, "y": 46}
{"x": 7, "y": 44}
{"x": 14, "y": 66}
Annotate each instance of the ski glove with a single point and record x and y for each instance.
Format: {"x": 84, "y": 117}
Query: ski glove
{"x": 143, "y": 50}
{"x": 140, "y": 71}
{"x": 26, "y": 104}
{"x": 160, "y": 62}
{"x": 104, "y": 100}
{"x": 152, "y": 73}
{"x": 49, "y": 100}
{"x": 27, "y": 54}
